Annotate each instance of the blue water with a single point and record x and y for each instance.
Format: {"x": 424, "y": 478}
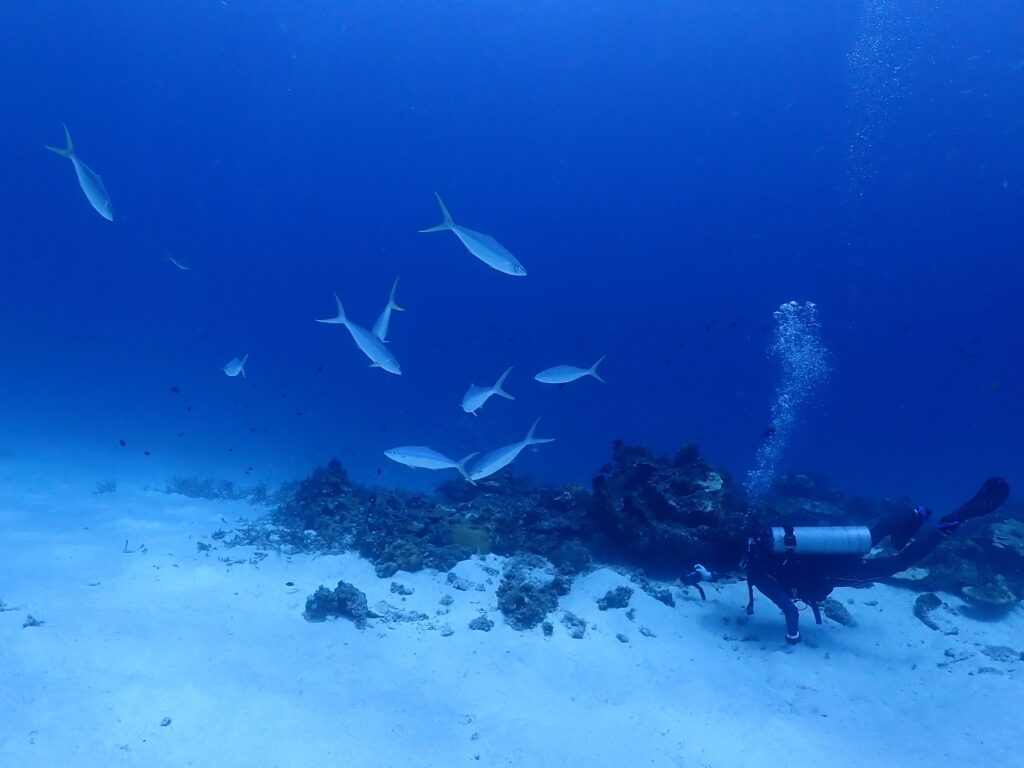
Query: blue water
{"x": 669, "y": 173}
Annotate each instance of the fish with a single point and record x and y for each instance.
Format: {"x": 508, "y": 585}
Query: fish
{"x": 88, "y": 179}
{"x": 502, "y": 457}
{"x": 177, "y": 263}
{"x": 422, "y": 457}
{"x": 380, "y": 328}
{"x": 563, "y": 374}
{"x": 235, "y": 367}
{"x": 484, "y": 247}
{"x": 475, "y": 396}
{"x": 368, "y": 342}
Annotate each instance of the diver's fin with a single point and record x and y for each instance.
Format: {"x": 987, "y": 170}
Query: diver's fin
{"x": 989, "y": 498}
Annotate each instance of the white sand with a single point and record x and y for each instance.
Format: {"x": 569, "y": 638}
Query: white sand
{"x": 223, "y": 651}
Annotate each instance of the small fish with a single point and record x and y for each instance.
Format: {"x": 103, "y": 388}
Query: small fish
{"x": 380, "y": 328}
{"x": 370, "y": 344}
{"x": 484, "y": 247}
{"x": 88, "y": 179}
{"x": 235, "y": 367}
{"x": 475, "y": 397}
{"x": 422, "y": 457}
{"x": 177, "y": 263}
{"x": 502, "y": 457}
{"x": 563, "y": 374}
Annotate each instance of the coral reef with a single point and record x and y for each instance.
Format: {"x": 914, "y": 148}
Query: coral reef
{"x": 576, "y": 626}
{"x": 194, "y": 488}
{"x": 345, "y": 602}
{"x": 923, "y": 607}
{"x": 615, "y": 598}
{"x": 481, "y": 624}
{"x": 984, "y": 563}
{"x": 529, "y": 591}
{"x": 838, "y": 612}
{"x": 667, "y": 514}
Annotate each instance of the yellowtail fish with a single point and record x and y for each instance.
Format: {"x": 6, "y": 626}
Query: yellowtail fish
{"x": 484, "y": 247}
{"x": 367, "y": 341}
{"x": 88, "y": 179}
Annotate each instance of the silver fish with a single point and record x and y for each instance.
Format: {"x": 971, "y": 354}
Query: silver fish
{"x": 484, "y": 247}
{"x": 177, "y": 263}
{"x": 475, "y": 397}
{"x": 236, "y": 367}
{"x": 422, "y": 457}
{"x": 370, "y": 344}
{"x": 88, "y": 179}
{"x": 563, "y": 374}
{"x": 502, "y": 457}
{"x": 380, "y": 328}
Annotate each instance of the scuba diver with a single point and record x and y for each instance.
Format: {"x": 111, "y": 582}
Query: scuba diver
{"x": 787, "y": 563}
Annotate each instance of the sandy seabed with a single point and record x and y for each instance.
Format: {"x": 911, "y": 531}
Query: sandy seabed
{"x": 169, "y": 656}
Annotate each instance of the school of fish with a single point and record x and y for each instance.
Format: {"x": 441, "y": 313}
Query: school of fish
{"x": 373, "y": 343}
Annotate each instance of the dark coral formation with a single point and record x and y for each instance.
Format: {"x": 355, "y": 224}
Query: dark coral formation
{"x": 401, "y": 531}
{"x": 345, "y": 601}
{"x": 481, "y": 624}
{"x": 798, "y": 499}
{"x": 576, "y": 626}
{"x": 668, "y": 513}
{"x": 836, "y": 611}
{"x": 923, "y": 607}
{"x": 615, "y": 598}
{"x": 325, "y": 502}
{"x": 529, "y": 592}
{"x": 985, "y": 563}
{"x": 195, "y": 488}
{"x": 650, "y": 510}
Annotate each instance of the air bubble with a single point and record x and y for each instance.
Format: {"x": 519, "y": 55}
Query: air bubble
{"x": 805, "y": 367}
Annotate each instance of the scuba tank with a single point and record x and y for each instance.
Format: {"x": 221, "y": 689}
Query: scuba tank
{"x": 819, "y": 540}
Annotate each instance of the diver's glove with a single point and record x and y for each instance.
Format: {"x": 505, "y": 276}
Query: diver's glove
{"x": 696, "y": 576}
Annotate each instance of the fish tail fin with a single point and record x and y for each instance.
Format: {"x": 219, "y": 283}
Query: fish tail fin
{"x": 593, "y": 369}
{"x": 69, "y": 150}
{"x": 391, "y": 302}
{"x": 500, "y": 382}
{"x": 340, "y": 319}
{"x": 242, "y": 366}
{"x": 531, "y": 440}
{"x": 444, "y": 225}
{"x": 461, "y": 466}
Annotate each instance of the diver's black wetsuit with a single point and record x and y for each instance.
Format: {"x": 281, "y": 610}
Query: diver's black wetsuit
{"x": 811, "y": 578}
